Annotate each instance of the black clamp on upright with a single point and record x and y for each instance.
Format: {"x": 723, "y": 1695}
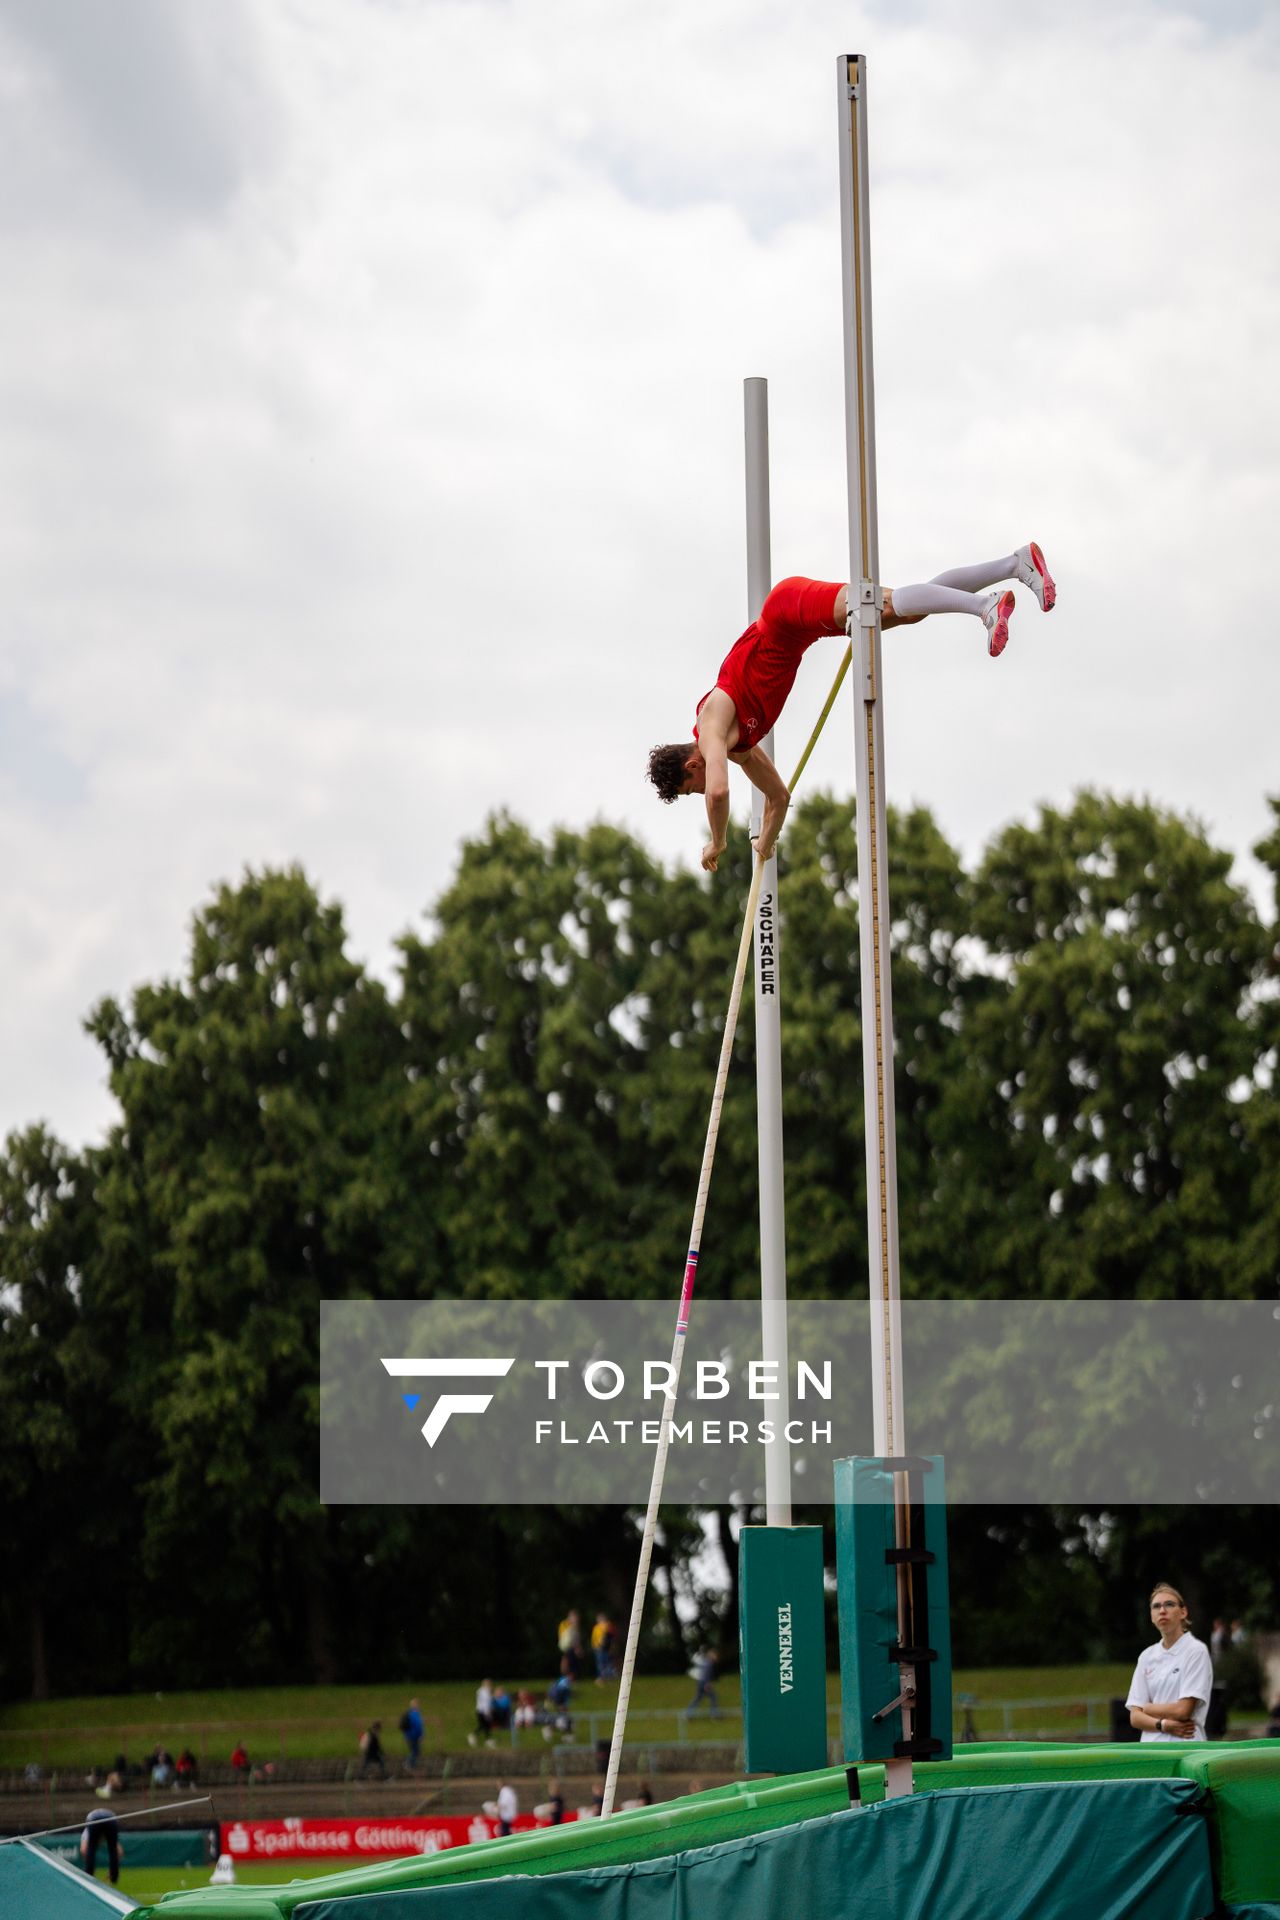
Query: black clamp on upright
{"x": 914, "y": 1650}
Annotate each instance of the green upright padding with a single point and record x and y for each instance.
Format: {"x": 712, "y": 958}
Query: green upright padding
{"x": 868, "y": 1602}
{"x": 1119, "y": 1850}
{"x": 1244, "y": 1788}
{"x": 783, "y": 1649}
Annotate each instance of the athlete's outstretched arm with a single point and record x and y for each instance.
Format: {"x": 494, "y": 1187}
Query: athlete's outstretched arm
{"x": 762, "y": 773}
{"x": 715, "y": 752}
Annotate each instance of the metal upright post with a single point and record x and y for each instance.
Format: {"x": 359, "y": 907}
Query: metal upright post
{"x": 873, "y": 867}
{"x": 773, "y": 1241}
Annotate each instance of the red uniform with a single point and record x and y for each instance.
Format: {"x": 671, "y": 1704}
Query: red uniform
{"x": 760, "y": 669}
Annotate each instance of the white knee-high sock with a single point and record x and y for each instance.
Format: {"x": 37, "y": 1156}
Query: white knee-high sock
{"x": 985, "y": 574}
{"x": 956, "y": 591}
{"x": 929, "y": 597}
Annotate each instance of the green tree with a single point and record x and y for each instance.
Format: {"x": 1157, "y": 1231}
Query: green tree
{"x": 242, "y": 1186}
{"x": 54, "y": 1500}
{"x": 527, "y": 1013}
{"x": 1115, "y": 1058}
{"x": 1087, "y": 1035}
{"x": 1258, "y": 1252}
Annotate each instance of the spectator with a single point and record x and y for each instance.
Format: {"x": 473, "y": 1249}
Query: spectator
{"x": 1273, "y": 1724}
{"x": 508, "y": 1808}
{"x": 371, "y": 1754}
{"x": 704, "y": 1672}
{"x": 161, "y": 1767}
{"x": 101, "y": 1828}
{"x": 502, "y": 1707}
{"x": 1218, "y": 1638}
{"x": 597, "y": 1798}
{"x": 240, "y": 1762}
{"x": 569, "y": 1641}
{"x": 1239, "y": 1633}
{"x": 557, "y": 1717}
{"x": 484, "y": 1715}
{"x": 604, "y": 1638}
{"x": 645, "y": 1794}
{"x": 412, "y": 1729}
{"x": 526, "y": 1713}
{"x": 185, "y": 1770}
{"x": 1173, "y": 1681}
{"x": 552, "y": 1808}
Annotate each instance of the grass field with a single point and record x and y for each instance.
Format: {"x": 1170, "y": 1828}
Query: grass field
{"x": 148, "y": 1883}
{"x": 283, "y": 1723}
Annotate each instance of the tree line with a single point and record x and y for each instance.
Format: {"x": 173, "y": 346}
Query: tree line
{"x": 1087, "y": 1027}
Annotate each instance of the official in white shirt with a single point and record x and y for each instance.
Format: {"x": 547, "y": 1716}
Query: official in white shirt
{"x": 1172, "y": 1682}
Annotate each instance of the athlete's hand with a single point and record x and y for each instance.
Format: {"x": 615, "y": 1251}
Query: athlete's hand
{"x": 711, "y": 857}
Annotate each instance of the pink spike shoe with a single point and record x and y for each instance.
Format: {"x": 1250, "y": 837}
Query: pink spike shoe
{"x": 996, "y": 622}
{"x": 1033, "y": 573}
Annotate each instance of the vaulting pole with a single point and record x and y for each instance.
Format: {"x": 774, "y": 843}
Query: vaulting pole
{"x": 677, "y": 1350}
{"x": 773, "y": 1237}
{"x": 873, "y": 866}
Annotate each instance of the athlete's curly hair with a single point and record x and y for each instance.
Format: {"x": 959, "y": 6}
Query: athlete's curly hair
{"x": 668, "y": 770}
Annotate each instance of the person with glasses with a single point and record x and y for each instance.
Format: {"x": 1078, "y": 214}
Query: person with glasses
{"x": 1172, "y": 1682}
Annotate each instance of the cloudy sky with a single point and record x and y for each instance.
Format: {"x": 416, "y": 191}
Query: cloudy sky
{"x": 371, "y": 430}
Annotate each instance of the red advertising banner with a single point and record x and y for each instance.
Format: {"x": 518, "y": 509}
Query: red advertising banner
{"x": 358, "y": 1839}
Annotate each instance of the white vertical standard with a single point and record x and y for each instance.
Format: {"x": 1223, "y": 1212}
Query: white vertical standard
{"x": 773, "y": 1238}
{"x": 873, "y": 864}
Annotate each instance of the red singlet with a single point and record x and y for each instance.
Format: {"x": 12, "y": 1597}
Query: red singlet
{"x": 759, "y": 670}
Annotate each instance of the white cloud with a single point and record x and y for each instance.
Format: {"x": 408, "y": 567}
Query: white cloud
{"x": 370, "y": 431}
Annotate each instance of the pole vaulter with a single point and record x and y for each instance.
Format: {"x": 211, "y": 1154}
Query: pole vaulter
{"x": 758, "y": 673}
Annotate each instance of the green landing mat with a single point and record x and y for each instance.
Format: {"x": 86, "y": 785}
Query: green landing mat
{"x": 1244, "y": 1819}
{"x": 1115, "y": 1850}
{"x": 35, "y": 1885}
{"x": 732, "y": 1812}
